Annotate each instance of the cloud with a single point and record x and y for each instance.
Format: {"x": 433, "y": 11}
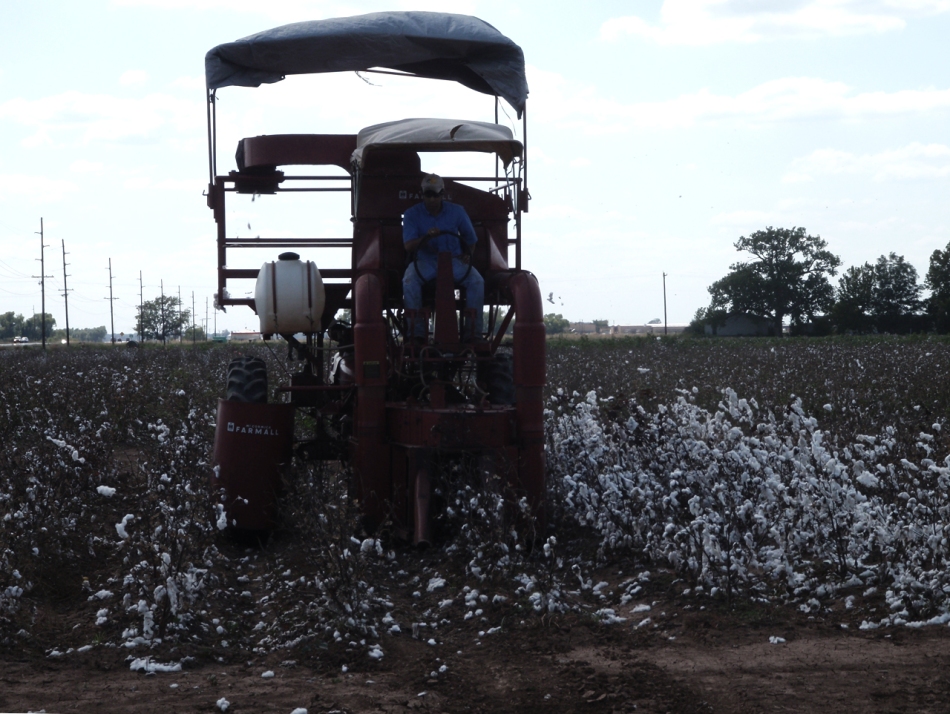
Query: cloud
{"x": 786, "y": 99}
{"x": 748, "y": 219}
{"x": 914, "y": 161}
{"x": 707, "y": 22}
{"x": 147, "y": 183}
{"x": 75, "y": 117}
{"x": 189, "y": 83}
{"x": 285, "y": 10}
{"x": 86, "y": 167}
{"x": 41, "y": 188}
{"x": 133, "y": 77}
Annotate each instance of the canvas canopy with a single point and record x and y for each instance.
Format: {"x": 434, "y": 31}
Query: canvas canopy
{"x": 435, "y": 45}
{"x": 438, "y": 135}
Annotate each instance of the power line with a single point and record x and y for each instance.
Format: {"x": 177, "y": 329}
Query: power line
{"x": 111, "y": 300}
{"x": 162, "y": 285}
{"x": 141, "y": 307}
{"x": 65, "y": 291}
{"x": 42, "y": 276}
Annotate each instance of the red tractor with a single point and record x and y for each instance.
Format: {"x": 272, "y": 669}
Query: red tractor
{"x": 394, "y": 407}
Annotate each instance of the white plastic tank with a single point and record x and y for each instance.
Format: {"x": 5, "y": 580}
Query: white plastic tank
{"x": 289, "y": 296}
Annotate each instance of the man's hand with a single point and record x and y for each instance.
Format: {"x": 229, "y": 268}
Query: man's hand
{"x": 433, "y": 232}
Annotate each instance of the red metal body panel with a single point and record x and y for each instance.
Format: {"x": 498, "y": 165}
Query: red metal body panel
{"x": 446, "y": 323}
{"x": 252, "y": 443}
{"x": 393, "y": 444}
{"x": 453, "y": 429}
{"x": 296, "y": 149}
{"x": 529, "y": 378}
{"x": 370, "y": 448}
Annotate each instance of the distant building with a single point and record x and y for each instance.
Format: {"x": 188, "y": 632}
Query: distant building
{"x": 742, "y": 325}
{"x": 587, "y": 328}
{"x": 649, "y": 329}
{"x": 244, "y": 337}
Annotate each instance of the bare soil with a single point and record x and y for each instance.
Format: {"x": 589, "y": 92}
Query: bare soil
{"x": 688, "y": 659}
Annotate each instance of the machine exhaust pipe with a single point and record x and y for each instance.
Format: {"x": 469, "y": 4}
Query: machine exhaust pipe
{"x": 422, "y": 495}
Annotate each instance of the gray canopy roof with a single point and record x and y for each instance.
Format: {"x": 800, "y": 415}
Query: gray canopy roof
{"x": 435, "y": 45}
{"x": 438, "y": 135}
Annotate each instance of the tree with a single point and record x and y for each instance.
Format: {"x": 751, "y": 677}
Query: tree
{"x": 89, "y": 334}
{"x": 81, "y": 334}
{"x": 895, "y": 298}
{"x": 788, "y": 278}
{"x": 600, "y": 325}
{"x": 853, "y": 300}
{"x": 195, "y": 334}
{"x": 938, "y": 283}
{"x": 496, "y": 318}
{"x": 159, "y": 319}
{"x": 556, "y": 324}
{"x": 11, "y": 325}
{"x": 33, "y": 327}
{"x": 714, "y": 318}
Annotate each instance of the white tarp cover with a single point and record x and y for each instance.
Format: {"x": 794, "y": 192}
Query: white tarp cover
{"x": 436, "y": 45}
{"x": 438, "y": 135}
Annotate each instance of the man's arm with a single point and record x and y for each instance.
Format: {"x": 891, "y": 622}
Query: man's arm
{"x": 416, "y": 243}
{"x": 412, "y": 237}
{"x": 467, "y": 237}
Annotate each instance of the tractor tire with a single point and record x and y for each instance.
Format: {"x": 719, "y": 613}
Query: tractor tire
{"x": 247, "y": 380}
{"x": 499, "y": 380}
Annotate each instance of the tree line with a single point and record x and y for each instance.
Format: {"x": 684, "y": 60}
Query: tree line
{"x": 159, "y": 319}
{"x": 163, "y": 318}
{"x": 789, "y": 277}
{"x": 15, "y": 325}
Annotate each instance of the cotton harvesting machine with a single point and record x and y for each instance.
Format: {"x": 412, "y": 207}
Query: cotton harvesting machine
{"x": 394, "y": 409}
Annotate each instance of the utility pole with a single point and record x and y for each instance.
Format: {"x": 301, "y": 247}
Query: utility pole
{"x": 162, "y": 284}
{"x": 65, "y": 291}
{"x": 181, "y": 332}
{"x": 664, "y": 303}
{"x": 141, "y": 308}
{"x": 111, "y": 301}
{"x": 42, "y": 276}
{"x": 206, "y": 319}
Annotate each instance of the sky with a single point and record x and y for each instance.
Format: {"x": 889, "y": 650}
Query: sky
{"x": 659, "y": 132}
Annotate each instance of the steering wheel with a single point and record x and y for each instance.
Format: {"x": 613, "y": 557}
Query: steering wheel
{"x": 415, "y": 259}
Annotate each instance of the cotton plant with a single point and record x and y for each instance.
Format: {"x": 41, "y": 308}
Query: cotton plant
{"x": 747, "y": 500}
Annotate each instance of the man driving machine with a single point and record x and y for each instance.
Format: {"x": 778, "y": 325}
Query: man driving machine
{"x": 428, "y": 228}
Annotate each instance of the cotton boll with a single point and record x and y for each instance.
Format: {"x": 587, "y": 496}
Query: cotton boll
{"x": 120, "y": 527}
{"x": 222, "y": 520}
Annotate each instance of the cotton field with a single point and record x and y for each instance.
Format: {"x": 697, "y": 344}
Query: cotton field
{"x": 810, "y": 475}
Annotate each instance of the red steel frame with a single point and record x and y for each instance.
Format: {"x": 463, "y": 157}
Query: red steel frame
{"x": 390, "y": 440}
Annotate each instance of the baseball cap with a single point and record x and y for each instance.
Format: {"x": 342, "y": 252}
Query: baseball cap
{"x": 433, "y": 183}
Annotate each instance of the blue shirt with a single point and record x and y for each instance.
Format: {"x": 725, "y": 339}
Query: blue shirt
{"x": 417, "y": 221}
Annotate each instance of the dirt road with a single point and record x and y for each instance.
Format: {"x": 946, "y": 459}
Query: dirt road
{"x": 713, "y": 663}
